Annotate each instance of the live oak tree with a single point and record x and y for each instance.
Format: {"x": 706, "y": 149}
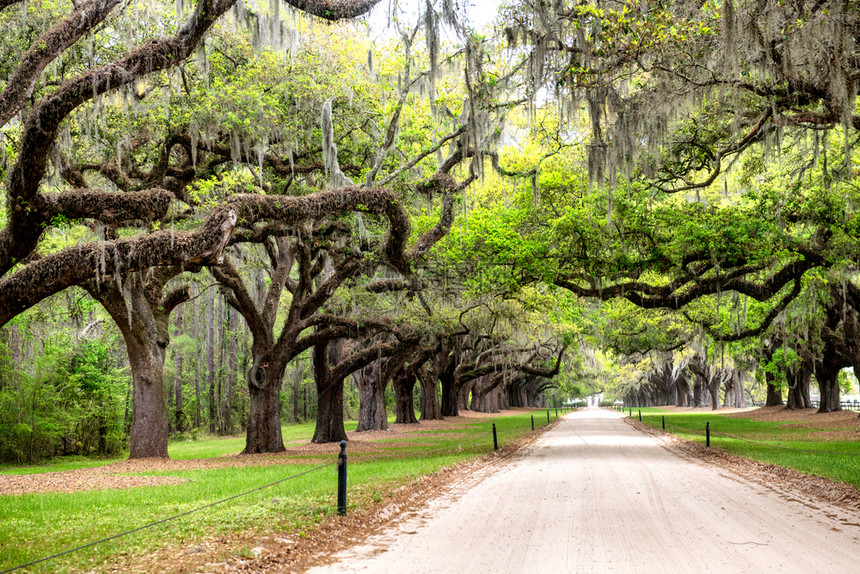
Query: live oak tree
{"x": 141, "y": 311}
{"x": 371, "y": 382}
{"x": 675, "y": 94}
{"x": 488, "y": 340}
{"x": 332, "y": 363}
{"x": 44, "y": 108}
{"x": 818, "y": 338}
{"x": 325, "y": 256}
{"x": 465, "y": 351}
{"x": 648, "y": 68}
{"x": 321, "y": 269}
{"x": 37, "y": 105}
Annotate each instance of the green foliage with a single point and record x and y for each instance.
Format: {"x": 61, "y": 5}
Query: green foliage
{"x": 784, "y": 360}
{"x": 71, "y": 403}
{"x": 847, "y": 381}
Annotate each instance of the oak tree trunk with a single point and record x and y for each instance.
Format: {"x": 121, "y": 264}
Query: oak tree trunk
{"x": 149, "y": 417}
{"x": 698, "y": 392}
{"x": 798, "y": 390}
{"x": 329, "y": 425}
{"x": 264, "y": 406}
{"x": 449, "y": 395}
{"x": 463, "y": 396}
{"x": 682, "y": 391}
{"x": 733, "y": 390}
{"x": 713, "y": 386}
{"x": 476, "y": 402}
{"x": 531, "y": 396}
{"x": 491, "y": 402}
{"x": 371, "y": 398}
{"x": 828, "y": 389}
{"x": 404, "y": 400}
{"x": 774, "y": 394}
{"x": 430, "y": 410}
{"x": 484, "y": 393}
{"x": 144, "y": 330}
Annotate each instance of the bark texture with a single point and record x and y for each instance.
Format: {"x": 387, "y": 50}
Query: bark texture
{"x": 142, "y": 313}
{"x": 371, "y": 398}
{"x": 329, "y": 425}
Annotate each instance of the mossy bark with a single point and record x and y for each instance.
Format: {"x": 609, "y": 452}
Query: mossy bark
{"x": 371, "y": 399}
{"x": 329, "y": 424}
{"x": 142, "y": 316}
{"x": 404, "y": 386}
{"x": 449, "y": 407}
{"x": 430, "y": 409}
{"x": 264, "y": 406}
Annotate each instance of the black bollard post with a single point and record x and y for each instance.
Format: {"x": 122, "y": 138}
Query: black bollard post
{"x": 708, "y": 434}
{"x": 664, "y": 423}
{"x": 341, "y": 479}
{"x": 495, "y": 438}
{"x": 533, "y": 422}
{"x": 556, "y": 413}
{"x": 547, "y": 417}
{"x": 640, "y": 416}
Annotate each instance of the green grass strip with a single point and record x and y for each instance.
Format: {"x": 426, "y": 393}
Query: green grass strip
{"x": 781, "y": 443}
{"x": 33, "y": 526}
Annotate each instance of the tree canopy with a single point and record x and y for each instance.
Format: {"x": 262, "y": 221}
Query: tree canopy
{"x": 604, "y": 197}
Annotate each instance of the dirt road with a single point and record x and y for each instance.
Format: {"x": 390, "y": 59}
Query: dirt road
{"x": 596, "y": 495}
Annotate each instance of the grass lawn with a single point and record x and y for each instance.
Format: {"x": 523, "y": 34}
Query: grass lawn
{"x": 33, "y": 526}
{"x": 785, "y": 443}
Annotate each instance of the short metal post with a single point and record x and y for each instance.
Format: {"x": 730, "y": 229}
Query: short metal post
{"x": 640, "y": 416}
{"x": 708, "y": 434}
{"x": 495, "y": 438}
{"x": 341, "y": 479}
{"x": 664, "y": 422}
{"x": 533, "y": 422}
{"x": 547, "y": 416}
{"x": 556, "y": 413}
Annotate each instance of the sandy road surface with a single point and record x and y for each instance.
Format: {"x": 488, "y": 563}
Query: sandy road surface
{"x": 596, "y": 495}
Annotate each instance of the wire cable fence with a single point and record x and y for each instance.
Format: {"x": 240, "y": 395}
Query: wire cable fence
{"x": 163, "y": 520}
{"x": 780, "y": 446}
{"x": 512, "y": 433}
{"x": 371, "y": 457}
{"x": 399, "y": 455}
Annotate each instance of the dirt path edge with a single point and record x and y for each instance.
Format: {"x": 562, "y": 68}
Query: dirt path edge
{"x": 787, "y": 482}
{"x": 286, "y": 552}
